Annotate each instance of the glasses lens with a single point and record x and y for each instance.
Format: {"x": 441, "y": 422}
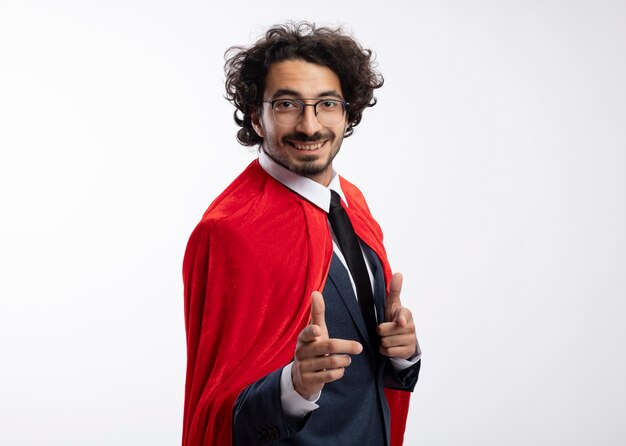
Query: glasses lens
{"x": 329, "y": 112}
{"x": 289, "y": 112}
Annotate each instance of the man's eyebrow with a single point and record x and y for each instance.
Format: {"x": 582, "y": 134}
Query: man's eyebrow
{"x": 285, "y": 92}
{"x": 330, "y": 93}
{"x": 288, "y": 92}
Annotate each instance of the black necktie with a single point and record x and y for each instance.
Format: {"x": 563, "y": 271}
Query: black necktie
{"x": 349, "y": 245}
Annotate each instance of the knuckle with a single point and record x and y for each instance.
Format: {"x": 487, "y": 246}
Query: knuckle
{"x": 336, "y": 361}
{"x": 335, "y": 374}
{"x": 400, "y": 352}
{"x": 307, "y": 364}
{"x": 331, "y": 346}
{"x": 300, "y": 354}
{"x": 303, "y": 336}
{"x": 332, "y": 362}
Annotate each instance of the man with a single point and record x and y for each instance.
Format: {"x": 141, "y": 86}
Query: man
{"x": 294, "y": 321}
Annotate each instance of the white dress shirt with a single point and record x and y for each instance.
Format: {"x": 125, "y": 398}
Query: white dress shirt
{"x": 293, "y": 403}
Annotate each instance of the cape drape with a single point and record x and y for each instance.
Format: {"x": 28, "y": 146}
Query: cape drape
{"x": 250, "y": 267}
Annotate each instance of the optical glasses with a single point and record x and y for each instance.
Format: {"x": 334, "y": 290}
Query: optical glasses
{"x": 290, "y": 111}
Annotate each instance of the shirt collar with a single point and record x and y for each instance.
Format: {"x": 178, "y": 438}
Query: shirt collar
{"x": 307, "y": 188}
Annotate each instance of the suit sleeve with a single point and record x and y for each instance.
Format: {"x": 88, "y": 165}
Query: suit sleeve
{"x": 258, "y": 415}
{"x": 403, "y": 379}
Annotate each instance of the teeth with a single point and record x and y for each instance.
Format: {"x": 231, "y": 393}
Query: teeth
{"x": 308, "y": 146}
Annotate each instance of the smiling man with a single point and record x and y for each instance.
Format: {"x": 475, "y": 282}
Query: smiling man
{"x": 296, "y": 334}
{"x": 302, "y": 142}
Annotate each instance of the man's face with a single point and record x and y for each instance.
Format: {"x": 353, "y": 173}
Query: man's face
{"x": 306, "y": 147}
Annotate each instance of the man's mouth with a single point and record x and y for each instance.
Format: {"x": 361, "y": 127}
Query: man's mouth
{"x": 308, "y": 146}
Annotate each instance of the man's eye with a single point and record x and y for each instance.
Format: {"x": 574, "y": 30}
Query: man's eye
{"x": 285, "y": 105}
{"x": 329, "y": 105}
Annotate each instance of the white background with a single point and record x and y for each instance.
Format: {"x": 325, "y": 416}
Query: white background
{"x": 495, "y": 162}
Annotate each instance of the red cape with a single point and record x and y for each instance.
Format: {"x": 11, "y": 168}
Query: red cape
{"x": 265, "y": 250}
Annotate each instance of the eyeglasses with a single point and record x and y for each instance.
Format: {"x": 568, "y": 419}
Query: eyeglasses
{"x": 290, "y": 111}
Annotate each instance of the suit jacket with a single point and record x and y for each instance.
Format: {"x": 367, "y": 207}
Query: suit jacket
{"x": 353, "y": 410}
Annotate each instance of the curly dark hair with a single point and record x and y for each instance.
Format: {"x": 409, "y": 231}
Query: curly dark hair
{"x": 246, "y": 69}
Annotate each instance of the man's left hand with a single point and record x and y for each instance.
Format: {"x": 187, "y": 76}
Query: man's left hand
{"x": 397, "y": 333}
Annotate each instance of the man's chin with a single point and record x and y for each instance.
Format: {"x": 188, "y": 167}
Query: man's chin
{"x": 310, "y": 160}
{"x": 311, "y": 166}
{"x": 304, "y": 164}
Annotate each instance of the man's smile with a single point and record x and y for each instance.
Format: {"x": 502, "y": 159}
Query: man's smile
{"x": 307, "y": 146}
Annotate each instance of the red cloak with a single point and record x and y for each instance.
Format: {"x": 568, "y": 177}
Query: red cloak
{"x": 250, "y": 267}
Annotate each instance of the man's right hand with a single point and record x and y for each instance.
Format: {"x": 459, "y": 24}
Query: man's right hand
{"x": 318, "y": 359}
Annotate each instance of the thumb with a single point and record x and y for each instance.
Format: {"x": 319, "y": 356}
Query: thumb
{"x": 393, "y": 300}
{"x": 317, "y": 311}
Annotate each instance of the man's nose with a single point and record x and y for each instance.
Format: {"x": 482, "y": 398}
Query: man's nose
{"x": 308, "y": 124}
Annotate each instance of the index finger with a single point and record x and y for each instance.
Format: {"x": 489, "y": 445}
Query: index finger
{"x": 336, "y": 347}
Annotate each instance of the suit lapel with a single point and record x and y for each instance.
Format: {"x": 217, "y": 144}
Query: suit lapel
{"x": 380, "y": 288}
{"x": 338, "y": 274}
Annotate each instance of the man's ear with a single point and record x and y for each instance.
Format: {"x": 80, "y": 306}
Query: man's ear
{"x": 256, "y": 123}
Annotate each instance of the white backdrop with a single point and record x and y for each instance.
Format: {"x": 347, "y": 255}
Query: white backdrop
{"x": 495, "y": 162}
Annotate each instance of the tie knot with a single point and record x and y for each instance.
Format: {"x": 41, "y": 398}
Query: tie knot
{"x": 335, "y": 200}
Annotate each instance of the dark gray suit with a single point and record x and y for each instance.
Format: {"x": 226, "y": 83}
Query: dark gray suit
{"x": 353, "y": 410}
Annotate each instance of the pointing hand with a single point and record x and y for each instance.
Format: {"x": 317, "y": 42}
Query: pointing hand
{"x": 397, "y": 333}
{"x": 319, "y": 360}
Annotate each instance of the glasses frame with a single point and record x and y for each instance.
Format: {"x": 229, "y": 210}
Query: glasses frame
{"x": 344, "y": 106}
